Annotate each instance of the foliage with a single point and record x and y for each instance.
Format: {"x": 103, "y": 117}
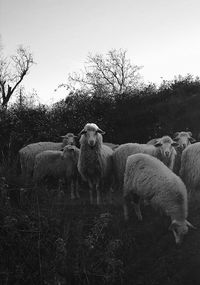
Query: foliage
{"x": 133, "y": 116}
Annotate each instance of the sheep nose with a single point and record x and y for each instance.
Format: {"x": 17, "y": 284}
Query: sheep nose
{"x": 184, "y": 145}
{"x": 167, "y": 153}
{"x": 91, "y": 143}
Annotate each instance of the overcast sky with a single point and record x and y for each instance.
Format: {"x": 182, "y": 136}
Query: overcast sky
{"x": 161, "y": 35}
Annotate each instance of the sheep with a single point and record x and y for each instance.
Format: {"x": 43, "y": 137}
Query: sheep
{"x": 58, "y": 164}
{"x": 148, "y": 178}
{"x": 165, "y": 151}
{"x": 95, "y": 160}
{"x": 162, "y": 149}
{"x": 111, "y": 145}
{"x": 183, "y": 139}
{"x": 152, "y": 141}
{"x": 190, "y": 167}
{"x": 27, "y": 154}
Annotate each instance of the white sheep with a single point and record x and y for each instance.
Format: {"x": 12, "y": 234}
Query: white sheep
{"x": 153, "y": 141}
{"x": 58, "y": 164}
{"x": 27, "y": 154}
{"x": 163, "y": 149}
{"x": 149, "y": 179}
{"x": 111, "y": 145}
{"x": 95, "y": 160}
{"x": 183, "y": 139}
{"x": 190, "y": 167}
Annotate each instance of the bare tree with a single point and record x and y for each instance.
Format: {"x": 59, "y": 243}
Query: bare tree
{"x": 24, "y": 99}
{"x": 12, "y": 72}
{"x": 112, "y": 73}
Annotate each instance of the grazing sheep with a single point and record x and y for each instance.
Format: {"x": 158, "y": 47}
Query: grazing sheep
{"x": 95, "y": 160}
{"x": 27, "y": 154}
{"x": 148, "y": 178}
{"x": 163, "y": 149}
{"x": 183, "y": 139}
{"x": 58, "y": 164}
{"x": 190, "y": 167}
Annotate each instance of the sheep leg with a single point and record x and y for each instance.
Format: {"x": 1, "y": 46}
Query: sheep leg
{"x": 60, "y": 183}
{"x": 125, "y": 206}
{"x": 72, "y": 191}
{"x": 98, "y": 193}
{"x": 91, "y": 196}
{"x": 91, "y": 191}
{"x": 136, "y": 204}
{"x": 76, "y": 189}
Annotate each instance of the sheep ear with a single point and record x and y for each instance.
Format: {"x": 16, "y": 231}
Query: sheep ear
{"x": 176, "y": 139}
{"x": 100, "y": 131}
{"x": 116, "y": 146}
{"x": 190, "y": 133}
{"x": 176, "y": 134}
{"x": 190, "y": 225}
{"x": 174, "y": 143}
{"x": 173, "y": 226}
{"x": 157, "y": 144}
{"x": 192, "y": 140}
{"x": 82, "y": 132}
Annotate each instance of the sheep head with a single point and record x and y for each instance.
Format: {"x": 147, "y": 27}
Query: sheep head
{"x": 68, "y": 150}
{"x": 180, "y": 229}
{"x": 184, "y": 139}
{"x": 92, "y": 134}
{"x": 166, "y": 145}
{"x": 69, "y": 139}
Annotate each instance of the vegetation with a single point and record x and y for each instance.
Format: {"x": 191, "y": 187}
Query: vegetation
{"x": 47, "y": 239}
{"x": 111, "y": 74}
{"x": 134, "y": 116}
{"x": 12, "y": 72}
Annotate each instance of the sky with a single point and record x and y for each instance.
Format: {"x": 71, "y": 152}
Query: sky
{"x": 160, "y": 35}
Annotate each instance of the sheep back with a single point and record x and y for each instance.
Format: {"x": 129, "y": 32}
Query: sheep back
{"x": 28, "y": 153}
{"x": 190, "y": 166}
{"x": 58, "y": 164}
{"x": 49, "y": 163}
{"x": 150, "y": 179}
{"x": 121, "y": 154}
{"x": 111, "y": 145}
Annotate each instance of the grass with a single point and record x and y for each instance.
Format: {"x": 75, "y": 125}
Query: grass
{"x": 48, "y": 239}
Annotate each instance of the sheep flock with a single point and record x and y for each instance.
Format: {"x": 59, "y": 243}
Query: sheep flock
{"x": 163, "y": 173}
